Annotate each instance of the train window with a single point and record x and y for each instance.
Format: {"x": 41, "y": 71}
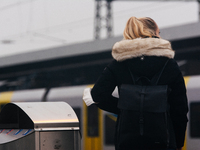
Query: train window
{"x": 195, "y": 120}
{"x": 109, "y": 129}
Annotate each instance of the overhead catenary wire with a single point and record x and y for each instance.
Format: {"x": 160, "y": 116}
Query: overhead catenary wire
{"x": 153, "y": 7}
{"x": 10, "y": 6}
{"x": 50, "y": 37}
{"x": 78, "y": 23}
{"x": 81, "y": 23}
{"x": 57, "y": 28}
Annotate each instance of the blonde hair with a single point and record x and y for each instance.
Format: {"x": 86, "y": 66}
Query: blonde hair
{"x": 140, "y": 27}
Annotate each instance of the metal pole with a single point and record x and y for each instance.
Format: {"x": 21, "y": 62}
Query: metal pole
{"x": 199, "y": 8}
{"x": 99, "y": 19}
{"x": 109, "y": 20}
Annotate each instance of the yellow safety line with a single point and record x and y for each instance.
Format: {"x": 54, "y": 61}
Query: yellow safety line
{"x": 186, "y": 84}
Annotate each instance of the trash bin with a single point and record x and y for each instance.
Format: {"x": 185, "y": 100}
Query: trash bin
{"x": 39, "y": 126}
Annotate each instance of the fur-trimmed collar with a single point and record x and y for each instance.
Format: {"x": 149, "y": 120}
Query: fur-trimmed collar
{"x": 127, "y": 49}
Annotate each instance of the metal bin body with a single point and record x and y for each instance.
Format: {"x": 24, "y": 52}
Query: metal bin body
{"x": 39, "y": 126}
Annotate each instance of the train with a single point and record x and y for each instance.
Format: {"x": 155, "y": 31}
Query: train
{"x": 97, "y": 126}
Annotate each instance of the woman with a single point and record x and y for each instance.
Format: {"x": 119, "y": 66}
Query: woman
{"x": 145, "y": 53}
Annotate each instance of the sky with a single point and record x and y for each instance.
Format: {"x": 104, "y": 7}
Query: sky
{"x": 33, "y": 25}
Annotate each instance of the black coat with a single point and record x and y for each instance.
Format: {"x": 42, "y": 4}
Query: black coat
{"x": 116, "y": 74}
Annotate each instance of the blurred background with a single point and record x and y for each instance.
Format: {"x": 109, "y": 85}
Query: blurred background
{"x": 32, "y": 32}
{"x": 51, "y": 50}
{"x": 32, "y": 25}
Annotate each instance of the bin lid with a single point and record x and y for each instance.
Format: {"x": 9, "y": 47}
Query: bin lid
{"x": 38, "y": 115}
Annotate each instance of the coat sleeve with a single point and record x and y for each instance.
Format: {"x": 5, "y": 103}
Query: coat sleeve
{"x": 179, "y": 109}
{"x": 102, "y": 92}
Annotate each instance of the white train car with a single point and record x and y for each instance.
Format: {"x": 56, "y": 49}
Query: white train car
{"x": 97, "y": 126}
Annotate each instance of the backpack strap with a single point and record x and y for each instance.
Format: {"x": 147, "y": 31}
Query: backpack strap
{"x": 155, "y": 78}
{"x": 132, "y": 77}
{"x": 136, "y": 78}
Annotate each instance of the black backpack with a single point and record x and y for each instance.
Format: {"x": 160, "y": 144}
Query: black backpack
{"x": 143, "y": 120}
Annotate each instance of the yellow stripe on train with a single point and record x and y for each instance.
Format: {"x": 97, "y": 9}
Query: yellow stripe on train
{"x": 186, "y": 83}
{"x": 5, "y": 97}
{"x": 92, "y": 142}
